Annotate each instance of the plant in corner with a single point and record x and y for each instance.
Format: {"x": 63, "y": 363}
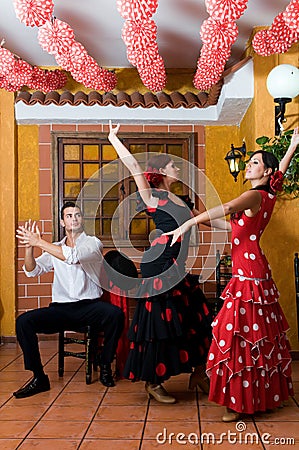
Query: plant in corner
{"x": 278, "y": 146}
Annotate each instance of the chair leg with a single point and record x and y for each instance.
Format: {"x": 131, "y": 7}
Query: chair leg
{"x": 94, "y": 352}
{"x": 88, "y": 356}
{"x": 61, "y": 354}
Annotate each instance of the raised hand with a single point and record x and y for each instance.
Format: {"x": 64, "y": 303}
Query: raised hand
{"x": 28, "y": 234}
{"x": 295, "y": 137}
{"x": 113, "y": 131}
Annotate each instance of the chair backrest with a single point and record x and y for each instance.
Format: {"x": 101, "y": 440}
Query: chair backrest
{"x": 223, "y": 272}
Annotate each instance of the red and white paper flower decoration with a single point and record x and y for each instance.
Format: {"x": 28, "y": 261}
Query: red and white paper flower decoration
{"x": 140, "y": 39}
{"x": 277, "y": 39}
{"x": 33, "y": 12}
{"x": 226, "y": 10}
{"x": 139, "y": 34}
{"x": 21, "y": 73}
{"x": 137, "y": 9}
{"x": 206, "y": 76}
{"x": 74, "y": 59}
{"x": 153, "y": 76}
{"x": 261, "y": 43}
{"x": 291, "y": 15}
{"x": 7, "y": 61}
{"x": 47, "y": 80}
{"x": 56, "y": 37}
{"x": 16, "y": 73}
{"x": 218, "y": 34}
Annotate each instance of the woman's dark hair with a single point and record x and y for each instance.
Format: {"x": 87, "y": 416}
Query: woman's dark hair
{"x": 270, "y": 162}
{"x": 159, "y": 161}
{"x": 68, "y": 205}
{"x": 155, "y": 163}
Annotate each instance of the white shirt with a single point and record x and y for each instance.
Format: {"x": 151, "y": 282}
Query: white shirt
{"x": 78, "y": 277}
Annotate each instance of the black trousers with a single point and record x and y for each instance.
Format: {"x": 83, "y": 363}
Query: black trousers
{"x": 99, "y": 315}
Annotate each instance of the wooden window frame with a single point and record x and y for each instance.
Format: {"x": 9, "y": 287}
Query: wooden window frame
{"x": 187, "y": 140}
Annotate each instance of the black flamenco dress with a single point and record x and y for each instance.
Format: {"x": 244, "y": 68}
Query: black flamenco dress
{"x": 171, "y": 328}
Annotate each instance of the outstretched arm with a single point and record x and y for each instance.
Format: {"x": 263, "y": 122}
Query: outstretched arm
{"x": 284, "y": 163}
{"x": 133, "y": 166}
{"x": 221, "y": 224}
{"x": 248, "y": 200}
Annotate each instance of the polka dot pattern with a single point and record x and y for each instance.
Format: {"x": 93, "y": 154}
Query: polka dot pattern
{"x": 248, "y": 343}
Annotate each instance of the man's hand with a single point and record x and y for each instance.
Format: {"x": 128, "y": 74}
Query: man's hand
{"x": 29, "y": 234}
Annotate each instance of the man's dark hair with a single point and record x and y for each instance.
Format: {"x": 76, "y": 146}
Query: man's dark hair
{"x": 68, "y": 205}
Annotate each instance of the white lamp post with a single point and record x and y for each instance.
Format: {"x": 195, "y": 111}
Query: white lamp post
{"x": 283, "y": 86}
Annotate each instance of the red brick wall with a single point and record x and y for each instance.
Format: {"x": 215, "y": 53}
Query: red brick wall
{"x": 36, "y": 292}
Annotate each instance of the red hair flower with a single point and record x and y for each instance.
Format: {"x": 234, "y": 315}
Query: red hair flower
{"x": 153, "y": 176}
{"x": 276, "y": 181}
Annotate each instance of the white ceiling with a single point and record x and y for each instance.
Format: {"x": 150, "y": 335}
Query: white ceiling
{"x": 97, "y": 25}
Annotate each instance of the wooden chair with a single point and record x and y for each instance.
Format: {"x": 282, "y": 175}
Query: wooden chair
{"x": 122, "y": 278}
{"x": 223, "y": 275}
{"x": 90, "y": 353}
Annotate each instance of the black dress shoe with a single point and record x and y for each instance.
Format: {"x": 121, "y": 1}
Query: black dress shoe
{"x": 35, "y": 386}
{"x": 106, "y": 377}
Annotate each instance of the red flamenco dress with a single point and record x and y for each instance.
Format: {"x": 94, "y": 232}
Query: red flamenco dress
{"x": 171, "y": 329}
{"x": 249, "y": 363}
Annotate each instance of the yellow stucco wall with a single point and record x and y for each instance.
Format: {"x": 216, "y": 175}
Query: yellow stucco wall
{"x": 281, "y": 238}
{"x": 8, "y": 174}
{"x": 28, "y": 171}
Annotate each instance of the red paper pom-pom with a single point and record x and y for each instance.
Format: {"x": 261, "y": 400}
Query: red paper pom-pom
{"x": 137, "y": 9}
{"x": 154, "y": 76}
{"x": 206, "y": 76}
{"x": 74, "y": 58}
{"x": 33, "y": 12}
{"x": 226, "y": 10}
{"x": 211, "y": 57}
{"x": 138, "y": 32}
{"x": 56, "y": 37}
{"x": 291, "y": 15}
{"x": 277, "y": 39}
{"x": 218, "y": 34}
{"x": 102, "y": 80}
{"x": 55, "y": 79}
{"x": 281, "y": 37}
{"x": 38, "y": 79}
{"x": 7, "y": 61}
{"x": 46, "y": 80}
{"x": 261, "y": 44}
{"x": 21, "y": 73}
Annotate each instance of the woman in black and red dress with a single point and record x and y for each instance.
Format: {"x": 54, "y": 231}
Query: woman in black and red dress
{"x": 249, "y": 363}
{"x": 171, "y": 329}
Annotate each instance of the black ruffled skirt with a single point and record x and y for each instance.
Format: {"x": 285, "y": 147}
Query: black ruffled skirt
{"x": 170, "y": 332}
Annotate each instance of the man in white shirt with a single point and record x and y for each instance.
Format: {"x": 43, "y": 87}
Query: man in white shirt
{"x": 76, "y": 292}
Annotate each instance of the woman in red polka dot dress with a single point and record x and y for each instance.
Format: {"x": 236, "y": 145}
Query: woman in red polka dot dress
{"x": 249, "y": 363}
{"x": 171, "y": 328}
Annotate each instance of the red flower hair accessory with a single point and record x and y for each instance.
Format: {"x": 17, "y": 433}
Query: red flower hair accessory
{"x": 153, "y": 176}
{"x": 276, "y": 181}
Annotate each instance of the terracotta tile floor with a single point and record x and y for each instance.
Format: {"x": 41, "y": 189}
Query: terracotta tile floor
{"x": 73, "y": 415}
